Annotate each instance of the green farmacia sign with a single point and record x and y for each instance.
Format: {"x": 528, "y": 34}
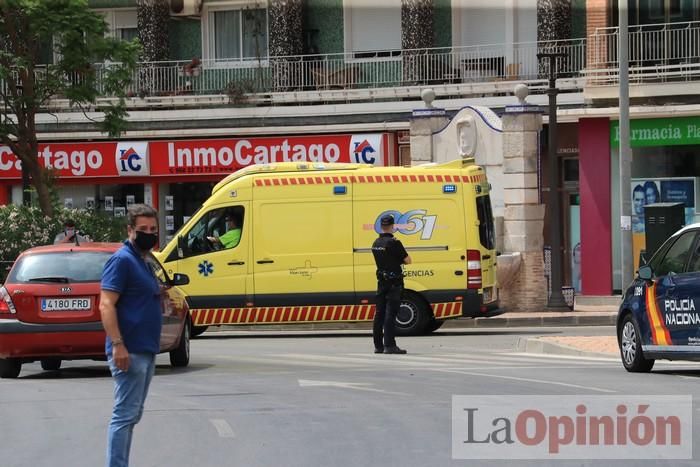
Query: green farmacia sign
{"x": 679, "y": 131}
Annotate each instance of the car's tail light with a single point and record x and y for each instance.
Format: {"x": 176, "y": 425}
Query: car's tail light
{"x": 6, "y": 305}
{"x": 473, "y": 269}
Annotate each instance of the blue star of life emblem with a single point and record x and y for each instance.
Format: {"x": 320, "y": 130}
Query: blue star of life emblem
{"x": 206, "y": 268}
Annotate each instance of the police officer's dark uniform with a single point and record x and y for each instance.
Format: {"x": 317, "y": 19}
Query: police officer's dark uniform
{"x": 389, "y": 255}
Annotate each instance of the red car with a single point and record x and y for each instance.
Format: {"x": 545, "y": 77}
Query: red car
{"x": 49, "y": 308}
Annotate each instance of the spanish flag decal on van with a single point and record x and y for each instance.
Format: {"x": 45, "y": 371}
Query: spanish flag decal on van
{"x": 659, "y": 332}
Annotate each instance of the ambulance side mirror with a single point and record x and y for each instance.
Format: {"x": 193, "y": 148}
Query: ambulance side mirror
{"x": 645, "y": 273}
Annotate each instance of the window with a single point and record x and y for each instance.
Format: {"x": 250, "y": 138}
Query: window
{"x": 60, "y": 267}
{"x": 487, "y": 235}
{"x": 158, "y": 271}
{"x": 123, "y": 24}
{"x": 216, "y": 230}
{"x": 237, "y": 34}
{"x": 372, "y": 29}
{"x": 677, "y": 256}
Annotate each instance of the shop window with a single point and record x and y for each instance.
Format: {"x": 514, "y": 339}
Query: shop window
{"x": 370, "y": 27}
{"x": 236, "y": 33}
{"x": 220, "y": 229}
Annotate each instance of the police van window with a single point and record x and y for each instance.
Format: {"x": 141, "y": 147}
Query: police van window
{"x": 677, "y": 255}
{"x": 694, "y": 265}
{"x": 487, "y": 235}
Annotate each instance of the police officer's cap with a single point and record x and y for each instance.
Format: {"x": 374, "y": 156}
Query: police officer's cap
{"x": 387, "y": 220}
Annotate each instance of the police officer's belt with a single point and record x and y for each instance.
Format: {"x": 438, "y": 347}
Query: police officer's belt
{"x": 383, "y": 275}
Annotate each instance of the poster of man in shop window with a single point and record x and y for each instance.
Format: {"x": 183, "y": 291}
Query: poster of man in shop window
{"x": 658, "y": 190}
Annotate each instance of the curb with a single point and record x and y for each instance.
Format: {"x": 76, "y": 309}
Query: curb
{"x": 574, "y": 319}
{"x": 537, "y": 346}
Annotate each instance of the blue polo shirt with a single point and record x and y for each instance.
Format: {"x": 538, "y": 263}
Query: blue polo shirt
{"x": 138, "y": 308}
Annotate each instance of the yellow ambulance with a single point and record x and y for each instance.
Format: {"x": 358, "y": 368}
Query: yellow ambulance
{"x": 291, "y": 243}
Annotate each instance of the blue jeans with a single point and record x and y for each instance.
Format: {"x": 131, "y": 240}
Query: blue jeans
{"x": 130, "y": 390}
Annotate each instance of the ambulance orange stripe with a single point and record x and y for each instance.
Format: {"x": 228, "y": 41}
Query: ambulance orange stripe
{"x": 659, "y": 333}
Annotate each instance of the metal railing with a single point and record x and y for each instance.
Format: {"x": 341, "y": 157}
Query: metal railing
{"x": 377, "y": 69}
{"x": 657, "y": 53}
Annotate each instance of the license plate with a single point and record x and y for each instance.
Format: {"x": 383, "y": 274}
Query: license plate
{"x": 66, "y": 304}
{"x": 488, "y": 294}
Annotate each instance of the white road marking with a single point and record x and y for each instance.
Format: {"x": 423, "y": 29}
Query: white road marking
{"x": 223, "y": 428}
{"x": 527, "y": 380}
{"x": 306, "y": 383}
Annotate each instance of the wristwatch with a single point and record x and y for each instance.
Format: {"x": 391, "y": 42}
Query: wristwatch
{"x": 118, "y": 341}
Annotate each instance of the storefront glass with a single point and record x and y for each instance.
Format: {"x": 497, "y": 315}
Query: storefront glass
{"x": 665, "y": 169}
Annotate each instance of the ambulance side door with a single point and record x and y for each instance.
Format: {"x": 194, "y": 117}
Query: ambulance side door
{"x": 302, "y": 253}
{"x": 218, "y": 275}
{"x": 677, "y": 293}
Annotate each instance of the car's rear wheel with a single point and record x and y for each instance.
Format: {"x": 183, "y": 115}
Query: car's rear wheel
{"x": 630, "y": 342}
{"x": 180, "y": 356}
{"x": 51, "y": 364}
{"x": 10, "y": 367}
{"x": 413, "y": 316}
{"x": 198, "y": 330}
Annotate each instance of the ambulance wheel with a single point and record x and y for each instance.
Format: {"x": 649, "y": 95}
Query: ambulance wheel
{"x": 435, "y": 324}
{"x": 10, "y": 367}
{"x": 630, "y": 343}
{"x": 198, "y": 330}
{"x": 413, "y": 316}
{"x": 51, "y": 364}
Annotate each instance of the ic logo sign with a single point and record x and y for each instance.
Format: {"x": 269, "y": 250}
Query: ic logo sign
{"x": 132, "y": 158}
{"x": 367, "y": 149}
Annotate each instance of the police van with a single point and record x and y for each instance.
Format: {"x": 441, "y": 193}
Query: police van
{"x": 303, "y": 253}
{"x": 659, "y": 317}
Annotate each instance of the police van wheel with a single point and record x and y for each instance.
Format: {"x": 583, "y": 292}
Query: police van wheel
{"x": 180, "y": 356}
{"x": 198, "y": 330}
{"x": 413, "y": 316}
{"x": 630, "y": 343}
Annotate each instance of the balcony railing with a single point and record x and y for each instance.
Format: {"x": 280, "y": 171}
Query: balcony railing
{"x": 380, "y": 69}
{"x": 665, "y": 52}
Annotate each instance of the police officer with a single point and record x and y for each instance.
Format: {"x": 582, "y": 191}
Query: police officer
{"x": 389, "y": 255}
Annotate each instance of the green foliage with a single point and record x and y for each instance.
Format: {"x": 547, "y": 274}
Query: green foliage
{"x": 25, "y": 227}
{"x": 83, "y": 64}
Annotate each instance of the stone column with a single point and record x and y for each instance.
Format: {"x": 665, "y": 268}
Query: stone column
{"x": 425, "y": 122}
{"x": 523, "y": 220}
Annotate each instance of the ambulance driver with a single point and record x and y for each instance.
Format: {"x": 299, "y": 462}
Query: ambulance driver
{"x": 389, "y": 255}
{"x": 233, "y": 233}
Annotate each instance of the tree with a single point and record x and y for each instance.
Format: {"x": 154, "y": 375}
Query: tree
{"x": 82, "y": 64}
{"x": 153, "y": 17}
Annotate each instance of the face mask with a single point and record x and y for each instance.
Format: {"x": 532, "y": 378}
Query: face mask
{"x": 145, "y": 241}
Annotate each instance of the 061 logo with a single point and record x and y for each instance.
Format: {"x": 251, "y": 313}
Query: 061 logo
{"x": 132, "y": 158}
{"x": 410, "y": 223}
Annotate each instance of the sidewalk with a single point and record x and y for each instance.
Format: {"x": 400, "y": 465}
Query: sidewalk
{"x": 525, "y": 319}
{"x": 579, "y": 346}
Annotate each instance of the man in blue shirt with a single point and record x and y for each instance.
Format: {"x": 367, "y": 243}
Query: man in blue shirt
{"x": 131, "y": 315}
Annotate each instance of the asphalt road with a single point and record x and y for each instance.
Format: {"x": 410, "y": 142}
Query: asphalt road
{"x": 311, "y": 399}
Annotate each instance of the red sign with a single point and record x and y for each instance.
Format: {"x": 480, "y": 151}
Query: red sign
{"x": 196, "y": 157}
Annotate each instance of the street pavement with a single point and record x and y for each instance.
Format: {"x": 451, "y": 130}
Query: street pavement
{"x": 267, "y": 399}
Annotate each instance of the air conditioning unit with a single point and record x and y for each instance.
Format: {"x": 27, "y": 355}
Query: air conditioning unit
{"x": 185, "y": 7}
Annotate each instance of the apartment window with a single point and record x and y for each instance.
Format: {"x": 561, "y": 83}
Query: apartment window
{"x": 122, "y": 24}
{"x": 237, "y": 34}
{"x": 372, "y": 29}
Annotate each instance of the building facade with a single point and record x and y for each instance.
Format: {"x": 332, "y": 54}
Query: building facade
{"x": 350, "y": 72}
